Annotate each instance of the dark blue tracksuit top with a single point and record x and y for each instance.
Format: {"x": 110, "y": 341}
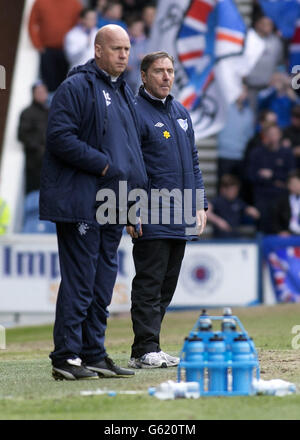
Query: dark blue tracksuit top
{"x": 171, "y": 160}
{"x": 92, "y": 123}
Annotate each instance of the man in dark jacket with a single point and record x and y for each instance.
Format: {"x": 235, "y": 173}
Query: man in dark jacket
{"x": 32, "y": 133}
{"x": 171, "y": 160}
{"x": 286, "y": 215}
{"x": 268, "y": 168}
{"x": 92, "y": 144}
{"x": 291, "y": 134}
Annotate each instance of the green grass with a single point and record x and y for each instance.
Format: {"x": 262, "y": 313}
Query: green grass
{"x": 27, "y": 390}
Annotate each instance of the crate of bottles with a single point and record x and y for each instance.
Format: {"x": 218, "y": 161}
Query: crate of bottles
{"x": 223, "y": 362}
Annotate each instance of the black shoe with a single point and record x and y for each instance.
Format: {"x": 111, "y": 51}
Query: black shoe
{"x": 107, "y": 368}
{"x": 72, "y": 369}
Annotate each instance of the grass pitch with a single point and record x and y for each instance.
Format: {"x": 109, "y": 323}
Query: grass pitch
{"x": 27, "y": 390}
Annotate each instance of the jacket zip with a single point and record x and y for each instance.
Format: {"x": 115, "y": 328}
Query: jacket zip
{"x": 179, "y": 155}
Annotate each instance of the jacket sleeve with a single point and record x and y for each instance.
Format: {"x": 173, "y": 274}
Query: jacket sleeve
{"x": 253, "y": 165}
{"x": 201, "y": 196}
{"x": 34, "y": 27}
{"x": 63, "y": 132}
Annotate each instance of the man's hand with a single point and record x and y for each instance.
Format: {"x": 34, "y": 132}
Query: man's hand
{"x": 265, "y": 173}
{"x": 223, "y": 225}
{"x": 105, "y": 170}
{"x": 253, "y": 212}
{"x": 284, "y": 234}
{"x": 201, "y": 219}
{"x": 296, "y": 151}
{"x": 133, "y": 232}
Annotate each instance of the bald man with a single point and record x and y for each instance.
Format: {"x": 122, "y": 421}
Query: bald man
{"x": 92, "y": 144}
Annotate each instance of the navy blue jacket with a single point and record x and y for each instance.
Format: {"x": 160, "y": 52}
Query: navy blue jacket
{"x": 92, "y": 123}
{"x": 171, "y": 160}
{"x": 281, "y": 162}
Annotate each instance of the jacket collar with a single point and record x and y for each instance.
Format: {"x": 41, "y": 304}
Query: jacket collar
{"x": 157, "y": 103}
{"x": 91, "y": 68}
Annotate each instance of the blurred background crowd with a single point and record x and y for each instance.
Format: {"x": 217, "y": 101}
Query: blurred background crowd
{"x": 258, "y": 149}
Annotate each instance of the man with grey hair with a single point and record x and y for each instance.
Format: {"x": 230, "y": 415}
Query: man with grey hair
{"x": 171, "y": 160}
{"x": 92, "y": 143}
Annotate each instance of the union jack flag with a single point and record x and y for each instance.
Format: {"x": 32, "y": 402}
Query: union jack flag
{"x": 211, "y": 30}
{"x": 283, "y": 258}
{"x": 212, "y": 53}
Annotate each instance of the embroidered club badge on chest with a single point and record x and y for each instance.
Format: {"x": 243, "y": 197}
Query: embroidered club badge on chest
{"x": 183, "y": 124}
{"x": 107, "y": 98}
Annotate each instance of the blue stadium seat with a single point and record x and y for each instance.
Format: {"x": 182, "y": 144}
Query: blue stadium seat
{"x": 32, "y": 224}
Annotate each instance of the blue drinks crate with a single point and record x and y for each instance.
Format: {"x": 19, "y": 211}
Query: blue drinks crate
{"x": 222, "y": 362}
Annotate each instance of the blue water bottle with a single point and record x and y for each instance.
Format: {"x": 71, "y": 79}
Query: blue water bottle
{"x": 217, "y": 374}
{"x": 194, "y": 357}
{"x": 204, "y": 322}
{"x": 204, "y": 326}
{"x": 242, "y": 375}
{"x": 228, "y": 325}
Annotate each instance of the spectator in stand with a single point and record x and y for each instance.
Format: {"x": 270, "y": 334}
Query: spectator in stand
{"x": 260, "y": 76}
{"x": 111, "y": 14}
{"x": 291, "y": 134}
{"x": 32, "y": 133}
{"x": 265, "y": 119}
{"x": 233, "y": 138}
{"x": 148, "y": 16}
{"x": 286, "y": 217}
{"x": 132, "y": 7}
{"x": 139, "y": 42}
{"x": 279, "y": 97}
{"x": 268, "y": 168}
{"x": 49, "y": 22}
{"x": 100, "y": 6}
{"x": 227, "y": 211}
{"x": 79, "y": 41}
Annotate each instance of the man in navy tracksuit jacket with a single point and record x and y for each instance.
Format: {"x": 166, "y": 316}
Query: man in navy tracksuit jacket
{"x": 171, "y": 161}
{"x": 268, "y": 168}
{"x": 92, "y": 143}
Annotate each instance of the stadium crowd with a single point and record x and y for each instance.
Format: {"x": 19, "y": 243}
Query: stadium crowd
{"x": 258, "y": 148}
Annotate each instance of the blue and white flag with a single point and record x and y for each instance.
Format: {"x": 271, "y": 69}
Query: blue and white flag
{"x": 282, "y": 255}
{"x": 284, "y": 13}
{"x": 212, "y": 53}
{"x": 286, "y": 16}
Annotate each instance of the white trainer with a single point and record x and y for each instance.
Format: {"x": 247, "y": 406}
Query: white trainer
{"x": 151, "y": 360}
{"x": 172, "y": 361}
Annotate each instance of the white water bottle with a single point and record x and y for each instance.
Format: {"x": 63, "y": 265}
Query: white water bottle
{"x": 274, "y": 387}
{"x": 173, "y": 390}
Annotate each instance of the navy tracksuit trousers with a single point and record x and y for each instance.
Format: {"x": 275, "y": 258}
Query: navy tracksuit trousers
{"x": 88, "y": 264}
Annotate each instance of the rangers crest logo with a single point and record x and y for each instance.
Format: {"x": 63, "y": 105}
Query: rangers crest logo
{"x": 82, "y": 228}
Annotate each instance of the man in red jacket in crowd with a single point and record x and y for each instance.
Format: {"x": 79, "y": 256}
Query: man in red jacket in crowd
{"x": 49, "y": 22}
